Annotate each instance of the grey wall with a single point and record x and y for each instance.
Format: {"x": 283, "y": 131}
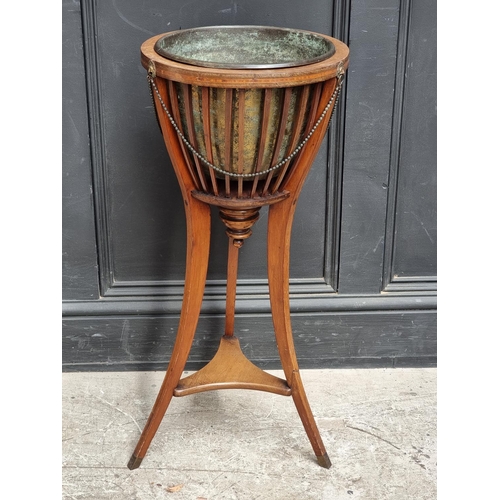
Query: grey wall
{"x": 363, "y": 263}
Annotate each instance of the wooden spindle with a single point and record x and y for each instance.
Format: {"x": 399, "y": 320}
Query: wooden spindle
{"x": 188, "y": 106}
{"x": 281, "y": 134}
{"x": 228, "y": 138}
{"x": 173, "y": 101}
{"x": 205, "y": 96}
{"x": 263, "y": 134}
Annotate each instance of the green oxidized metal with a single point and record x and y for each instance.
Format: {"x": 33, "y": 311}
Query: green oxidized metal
{"x": 245, "y": 47}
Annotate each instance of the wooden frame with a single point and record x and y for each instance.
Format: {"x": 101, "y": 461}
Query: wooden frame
{"x": 239, "y": 203}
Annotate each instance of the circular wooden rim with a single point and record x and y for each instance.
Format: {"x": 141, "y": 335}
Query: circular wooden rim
{"x": 244, "y": 78}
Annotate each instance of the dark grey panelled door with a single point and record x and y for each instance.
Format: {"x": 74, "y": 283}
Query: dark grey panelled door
{"x": 363, "y": 263}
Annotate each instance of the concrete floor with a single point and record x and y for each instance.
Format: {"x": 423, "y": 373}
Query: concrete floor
{"x": 379, "y": 427}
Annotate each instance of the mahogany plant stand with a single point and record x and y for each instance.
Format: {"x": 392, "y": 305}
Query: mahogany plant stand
{"x": 183, "y": 93}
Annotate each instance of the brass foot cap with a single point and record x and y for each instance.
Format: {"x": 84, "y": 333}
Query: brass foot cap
{"x": 324, "y": 461}
{"x": 134, "y": 462}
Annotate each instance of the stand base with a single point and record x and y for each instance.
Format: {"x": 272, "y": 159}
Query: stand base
{"x": 239, "y": 208}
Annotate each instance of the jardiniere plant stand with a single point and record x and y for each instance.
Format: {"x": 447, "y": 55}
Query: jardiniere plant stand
{"x": 243, "y": 111}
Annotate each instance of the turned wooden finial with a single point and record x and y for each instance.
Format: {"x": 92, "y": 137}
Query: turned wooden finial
{"x": 239, "y": 223}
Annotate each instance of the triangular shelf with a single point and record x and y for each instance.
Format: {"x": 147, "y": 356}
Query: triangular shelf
{"x": 231, "y": 369}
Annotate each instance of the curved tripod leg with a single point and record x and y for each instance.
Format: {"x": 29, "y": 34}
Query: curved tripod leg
{"x": 198, "y": 246}
{"x": 279, "y": 232}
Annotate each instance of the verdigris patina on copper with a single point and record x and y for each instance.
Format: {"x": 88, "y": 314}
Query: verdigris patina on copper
{"x": 244, "y": 47}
